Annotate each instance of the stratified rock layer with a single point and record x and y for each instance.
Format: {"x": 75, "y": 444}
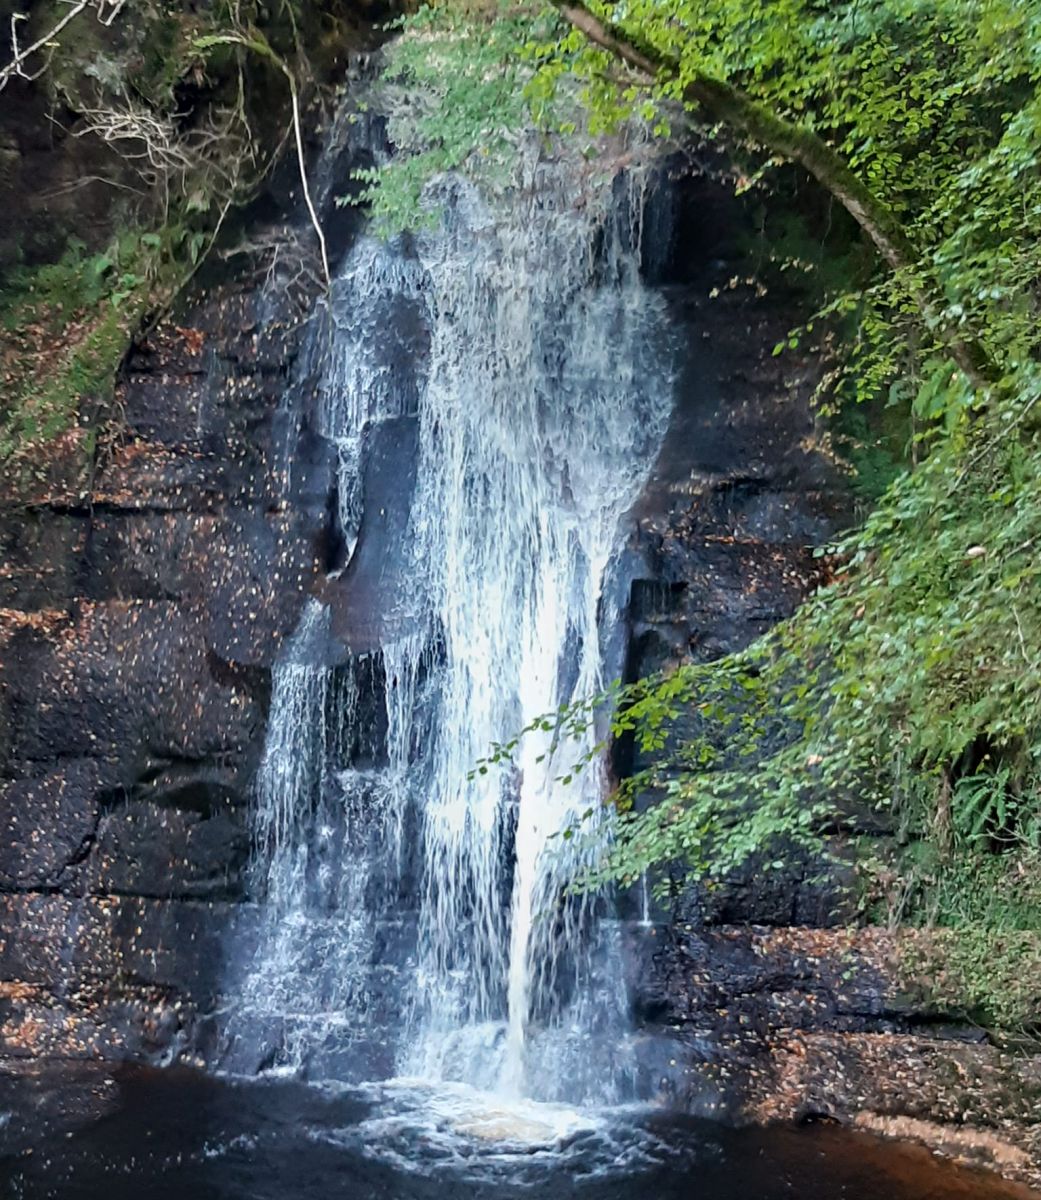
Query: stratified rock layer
{"x": 138, "y": 625}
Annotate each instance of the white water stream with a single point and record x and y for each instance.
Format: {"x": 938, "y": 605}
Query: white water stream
{"x": 541, "y": 400}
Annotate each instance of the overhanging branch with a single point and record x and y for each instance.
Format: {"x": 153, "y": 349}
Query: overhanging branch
{"x": 730, "y": 106}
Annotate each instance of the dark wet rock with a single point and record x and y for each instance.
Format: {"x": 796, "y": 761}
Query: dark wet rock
{"x": 757, "y": 999}
{"x": 146, "y": 849}
{"x": 42, "y": 1099}
{"x": 142, "y": 606}
{"x": 110, "y": 977}
{"x": 124, "y": 685}
{"x": 726, "y": 529}
{"x": 138, "y": 626}
{"x": 789, "y": 886}
{"x": 48, "y": 825}
{"x": 742, "y": 491}
{"x": 740, "y": 981}
{"x": 797, "y": 1024}
{"x": 370, "y": 600}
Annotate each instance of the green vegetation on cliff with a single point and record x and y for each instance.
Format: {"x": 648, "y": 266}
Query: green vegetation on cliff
{"x": 911, "y": 682}
{"x": 65, "y": 328}
{"x": 171, "y": 108}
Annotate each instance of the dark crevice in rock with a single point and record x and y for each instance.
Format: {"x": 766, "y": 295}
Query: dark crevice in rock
{"x": 255, "y": 681}
{"x": 83, "y": 851}
{"x": 110, "y": 508}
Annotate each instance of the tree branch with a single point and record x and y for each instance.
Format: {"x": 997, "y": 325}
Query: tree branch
{"x": 20, "y": 56}
{"x": 730, "y": 106}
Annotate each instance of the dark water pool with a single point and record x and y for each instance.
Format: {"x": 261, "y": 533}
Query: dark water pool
{"x": 179, "y": 1136}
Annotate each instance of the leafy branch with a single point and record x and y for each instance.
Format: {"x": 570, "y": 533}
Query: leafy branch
{"x": 729, "y": 105}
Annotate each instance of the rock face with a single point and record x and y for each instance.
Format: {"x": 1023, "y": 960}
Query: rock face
{"x": 760, "y": 1000}
{"x": 138, "y": 625}
{"x": 740, "y": 497}
{"x": 140, "y": 618}
{"x": 795, "y": 1023}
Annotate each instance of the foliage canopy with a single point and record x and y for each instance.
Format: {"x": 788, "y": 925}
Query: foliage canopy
{"x": 911, "y": 681}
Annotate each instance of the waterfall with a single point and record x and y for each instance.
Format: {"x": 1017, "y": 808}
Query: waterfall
{"x": 416, "y": 918}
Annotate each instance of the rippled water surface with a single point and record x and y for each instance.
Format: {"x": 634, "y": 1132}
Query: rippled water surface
{"x": 179, "y": 1136}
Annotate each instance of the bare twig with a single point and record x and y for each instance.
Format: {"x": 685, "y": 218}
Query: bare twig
{"x": 20, "y": 56}
{"x": 106, "y": 10}
{"x": 303, "y": 174}
{"x": 117, "y": 6}
{"x": 85, "y": 181}
{"x": 992, "y": 443}
{"x": 209, "y": 157}
{"x": 1022, "y": 641}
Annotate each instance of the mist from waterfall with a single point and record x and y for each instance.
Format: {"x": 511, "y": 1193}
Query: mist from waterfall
{"x": 415, "y": 916}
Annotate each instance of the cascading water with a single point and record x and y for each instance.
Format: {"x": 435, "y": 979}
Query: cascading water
{"x": 416, "y": 906}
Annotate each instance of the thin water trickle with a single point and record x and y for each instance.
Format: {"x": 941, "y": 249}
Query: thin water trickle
{"x": 645, "y": 902}
{"x": 533, "y": 364}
